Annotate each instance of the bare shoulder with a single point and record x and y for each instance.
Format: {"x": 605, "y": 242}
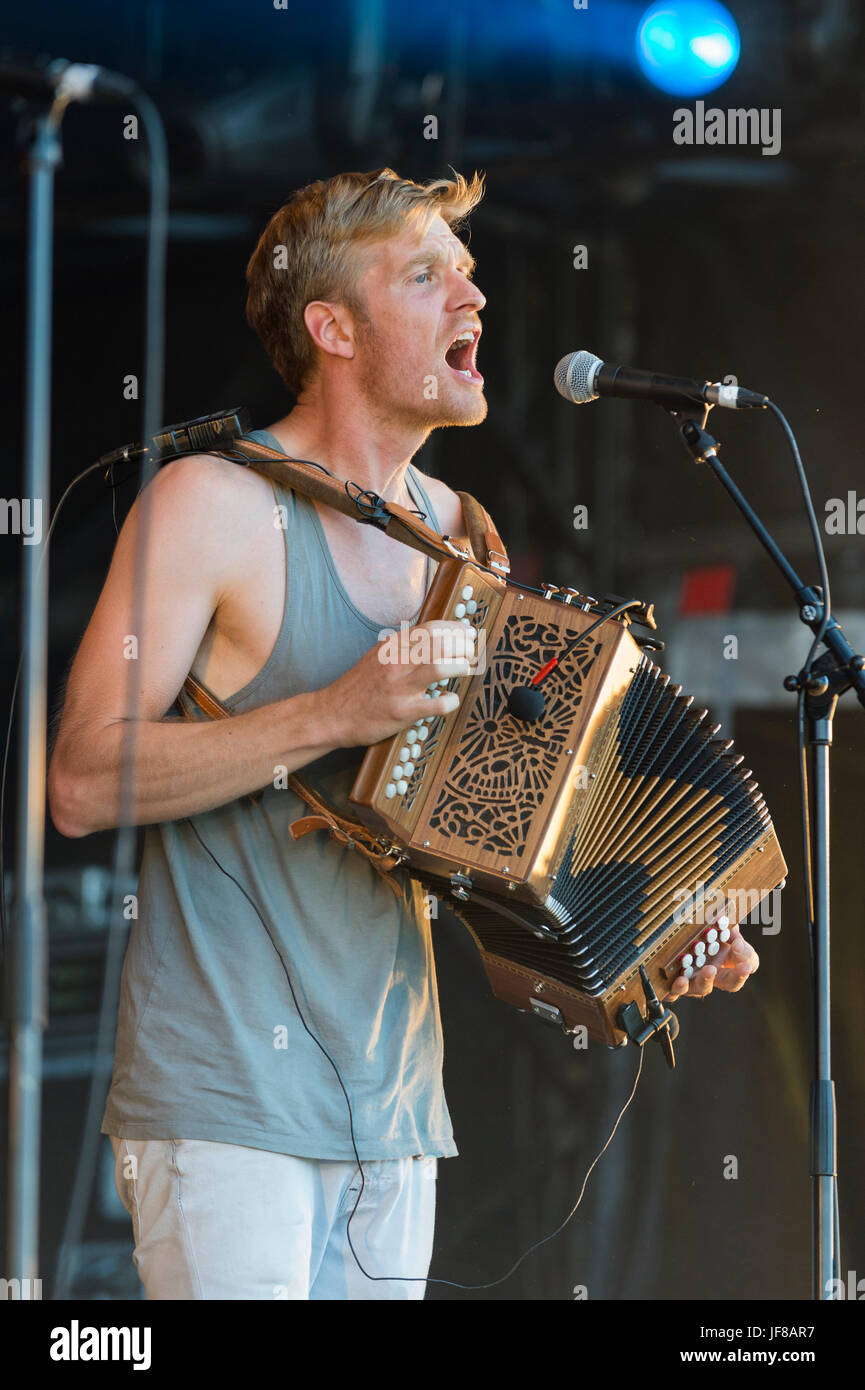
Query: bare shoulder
{"x": 204, "y": 478}
{"x": 448, "y": 507}
{"x": 201, "y": 516}
{"x": 200, "y": 500}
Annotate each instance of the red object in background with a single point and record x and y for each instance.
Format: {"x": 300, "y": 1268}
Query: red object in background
{"x": 708, "y": 589}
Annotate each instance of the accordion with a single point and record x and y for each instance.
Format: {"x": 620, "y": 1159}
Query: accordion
{"x": 595, "y": 851}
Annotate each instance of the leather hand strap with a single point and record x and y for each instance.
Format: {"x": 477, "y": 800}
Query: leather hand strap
{"x": 345, "y": 829}
{"x": 192, "y": 694}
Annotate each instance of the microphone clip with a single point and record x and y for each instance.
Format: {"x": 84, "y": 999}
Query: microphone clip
{"x": 691, "y": 422}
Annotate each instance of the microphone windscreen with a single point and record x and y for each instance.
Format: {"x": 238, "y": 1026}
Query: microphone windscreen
{"x": 526, "y": 702}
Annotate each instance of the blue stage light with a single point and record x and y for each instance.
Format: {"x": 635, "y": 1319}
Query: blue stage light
{"x": 687, "y": 48}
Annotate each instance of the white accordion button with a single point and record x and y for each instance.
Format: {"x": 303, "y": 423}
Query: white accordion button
{"x": 467, "y": 621}
{"x": 687, "y": 959}
{"x": 402, "y": 786}
{"x": 688, "y": 971}
{"x": 397, "y": 772}
{"x": 408, "y": 769}
{"x": 403, "y": 755}
{"x": 430, "y": 719}
{"x": 460, "y": 610}
{"x": 422, "y": 734}
{"x": 471, "y": 606}
{"x": 722, "y": 922}
{"x": 467, "y": 591}
{"x": 711, "y": 935}
{"x": 415, "y": 750}
{"x": 714, "y": 947}
{"x": 724, "y": 934}
{"x": 390, "y": 790}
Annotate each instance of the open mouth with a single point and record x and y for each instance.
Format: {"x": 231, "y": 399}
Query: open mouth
{"x": 460, "y": 356}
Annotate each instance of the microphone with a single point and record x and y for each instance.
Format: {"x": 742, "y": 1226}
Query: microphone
{"x": 205, "y": 434}
{"x": 582, "y": 377}
{"x": 75, "y": 81}
{"x": 526, "y": 702}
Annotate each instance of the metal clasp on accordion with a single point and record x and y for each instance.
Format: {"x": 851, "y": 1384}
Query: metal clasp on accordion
{"x": 455, "y": 550}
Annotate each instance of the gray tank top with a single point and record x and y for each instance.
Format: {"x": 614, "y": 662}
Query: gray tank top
{"x": 210, "y": 1042}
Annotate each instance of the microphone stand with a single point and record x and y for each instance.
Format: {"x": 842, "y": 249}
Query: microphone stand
{"x": 838, "y": 670}
{"x": 28, "y": 966}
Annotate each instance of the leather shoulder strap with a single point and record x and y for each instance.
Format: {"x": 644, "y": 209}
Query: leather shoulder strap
{"x": 398, "y": 522}
{"x": 487, "y": 548}
{"x": 483, "y": 537}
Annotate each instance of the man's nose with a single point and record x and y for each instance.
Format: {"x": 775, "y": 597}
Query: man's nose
{"x": 479, "y": 299}
{"x": 467, "y": 293}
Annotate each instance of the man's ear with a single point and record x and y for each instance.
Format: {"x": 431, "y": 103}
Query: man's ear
{"x": 331, "y": 327}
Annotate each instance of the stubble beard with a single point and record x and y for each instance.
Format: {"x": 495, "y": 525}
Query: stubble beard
{"x": 403, "y": 396}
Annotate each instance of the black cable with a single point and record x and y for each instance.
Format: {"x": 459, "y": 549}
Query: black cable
{"x": 401, "y": 1278}
{"x": 157, "y": 240}
{"x": 574, "y": 1208}
{"x": 826, "y": 599}
{"x": 613, "y": 613}
{"x": 555, "y": 662}
{"x": 125, "y": 838}
{"x": 804, "y": 676}
{"x": 12, "y": 702}
{"x": 320, "y": 1045}
{"x": 801, "y": 736}
{"x": 118, "y": 857}
{"x": 82, "y": 1185}
{"x": 237, "y": 456}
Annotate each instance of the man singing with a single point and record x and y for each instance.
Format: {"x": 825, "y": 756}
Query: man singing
{"x": 279, "y": 1011}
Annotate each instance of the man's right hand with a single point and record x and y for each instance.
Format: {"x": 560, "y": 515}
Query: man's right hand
{"x": 388, "y": 689}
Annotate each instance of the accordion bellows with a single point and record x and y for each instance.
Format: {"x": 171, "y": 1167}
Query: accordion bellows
{"x": 611, "y": 833}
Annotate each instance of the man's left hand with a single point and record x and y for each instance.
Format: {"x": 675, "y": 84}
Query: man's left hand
{"x": 728, "y": 970}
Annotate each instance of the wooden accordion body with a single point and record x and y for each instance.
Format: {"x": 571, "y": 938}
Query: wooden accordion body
{"x": 587, "y": 844}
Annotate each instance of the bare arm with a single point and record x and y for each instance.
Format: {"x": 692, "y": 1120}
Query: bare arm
{"x": 182, "y": 768}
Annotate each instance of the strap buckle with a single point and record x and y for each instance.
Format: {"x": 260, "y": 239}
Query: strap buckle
{"x": 497, "y": 560}
{"x": 391, "y": 850}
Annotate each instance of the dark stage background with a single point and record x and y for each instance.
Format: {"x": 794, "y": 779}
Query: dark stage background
{"x": 700, "y": 262}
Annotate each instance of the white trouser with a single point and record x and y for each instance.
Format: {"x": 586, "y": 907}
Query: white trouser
{"x": 222, "y": 1221}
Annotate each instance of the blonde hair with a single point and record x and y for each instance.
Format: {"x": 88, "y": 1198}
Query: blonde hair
{"x": 315, "y": 235}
